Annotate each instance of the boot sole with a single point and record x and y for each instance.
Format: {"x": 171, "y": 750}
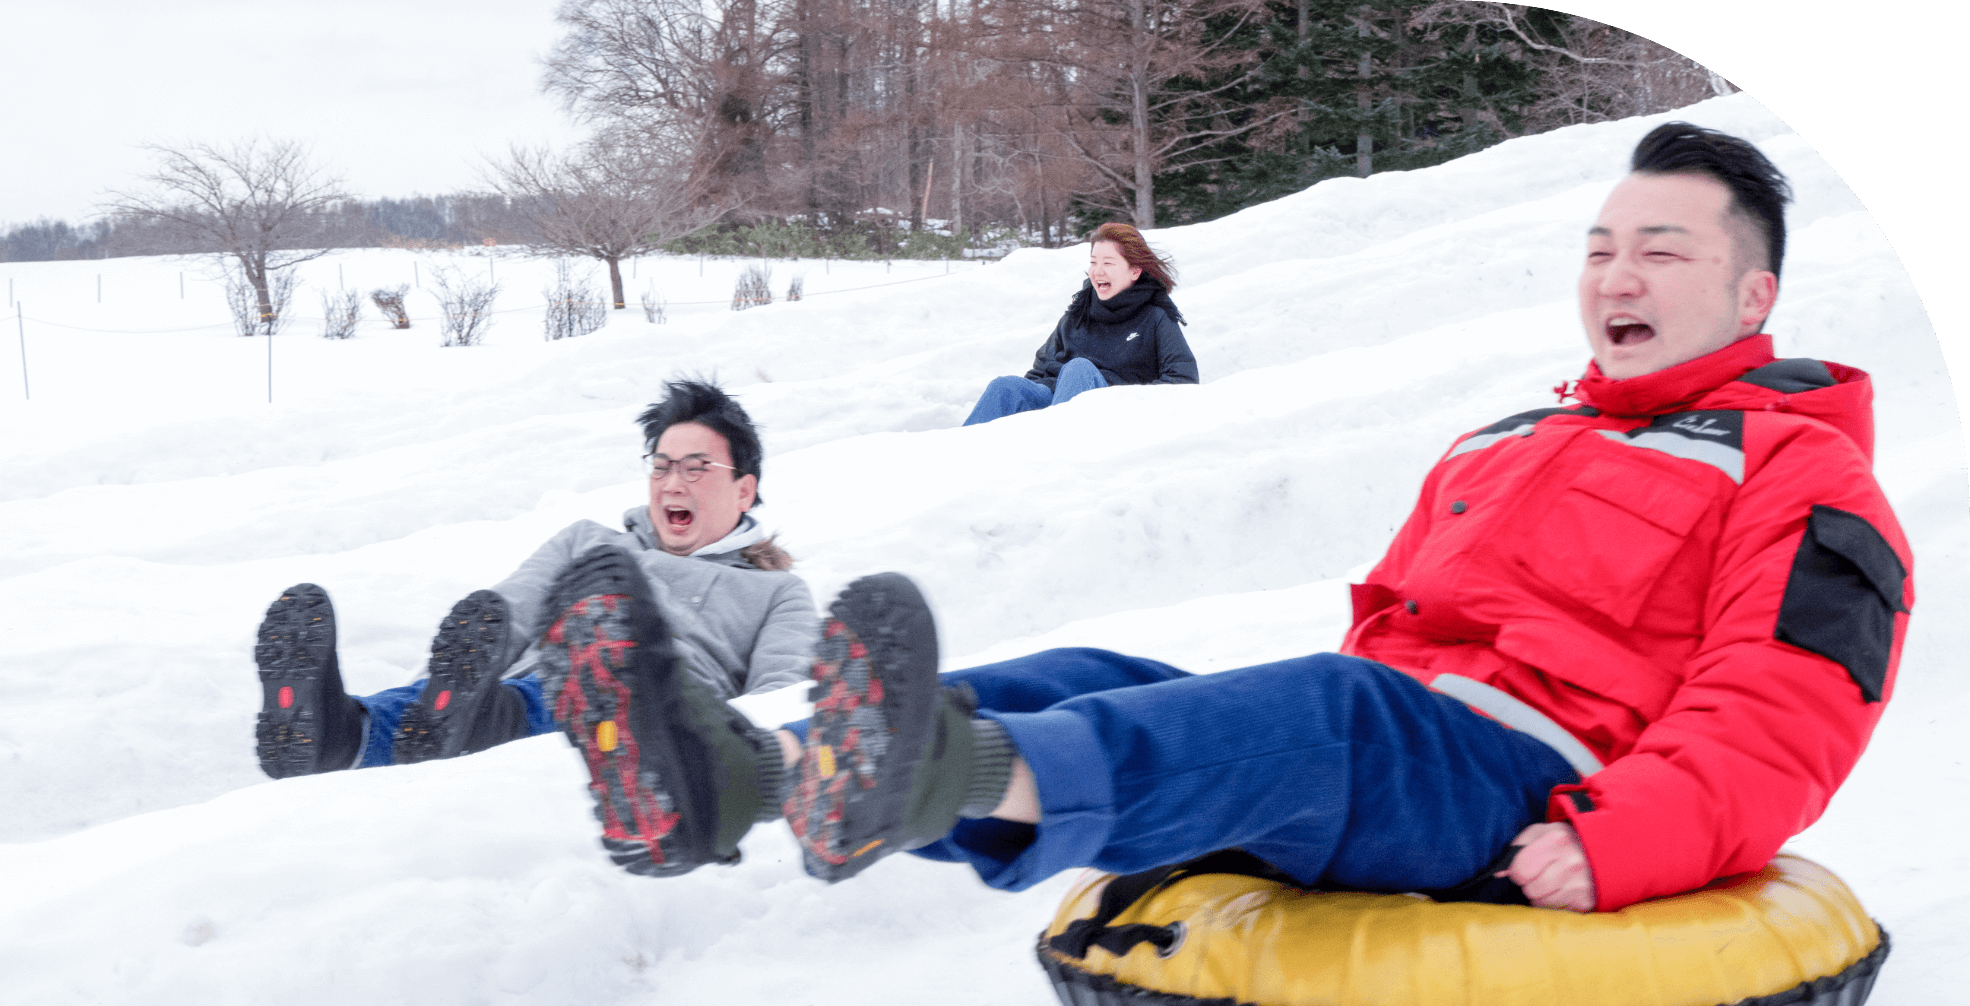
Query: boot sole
{"x": 293, "y": 649}
{"x": 587, "y": 678}
{"x": 875, "y": 699}
{"x": 464, "y": 671}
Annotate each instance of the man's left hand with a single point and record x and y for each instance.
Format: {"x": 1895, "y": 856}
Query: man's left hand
{"x": 1552, "y": 868}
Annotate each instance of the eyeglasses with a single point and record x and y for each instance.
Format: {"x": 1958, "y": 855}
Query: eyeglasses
{"x": 691, "y": 469}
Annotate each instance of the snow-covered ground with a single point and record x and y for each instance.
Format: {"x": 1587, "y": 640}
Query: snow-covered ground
{"x": 153, "y": 502}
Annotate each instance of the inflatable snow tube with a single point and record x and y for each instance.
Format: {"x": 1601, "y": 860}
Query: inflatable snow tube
{"x": 1789, "y": 934}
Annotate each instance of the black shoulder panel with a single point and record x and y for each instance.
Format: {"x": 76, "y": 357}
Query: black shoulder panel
{"x": 1511, "y": 424}
{"x": 1789, "y": 377}
{"x": 1841, "y": 599}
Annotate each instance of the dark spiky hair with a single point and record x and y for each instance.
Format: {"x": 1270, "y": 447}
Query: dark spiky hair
{"x": 1758, "y": 189}
{"x": 692, "y": 401}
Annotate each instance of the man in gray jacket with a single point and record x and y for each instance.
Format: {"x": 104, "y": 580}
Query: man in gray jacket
{"x": 739, "y": 622}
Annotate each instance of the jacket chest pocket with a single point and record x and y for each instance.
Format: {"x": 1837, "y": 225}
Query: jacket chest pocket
{"x": 1610, "y": 533}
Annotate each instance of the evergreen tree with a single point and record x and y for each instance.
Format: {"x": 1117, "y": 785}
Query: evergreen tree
{"x": 1379, "y": 85}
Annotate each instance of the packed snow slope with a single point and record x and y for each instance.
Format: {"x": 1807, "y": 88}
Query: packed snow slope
{"x": 153, "y": 503}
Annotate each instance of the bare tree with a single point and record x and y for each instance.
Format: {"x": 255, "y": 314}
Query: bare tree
{"x": 1135, "y": 106}
{"x": 259, "y": 312}
{"x": 259, "y": 202}
{"x": 846, "y": 112}
{"x": 609, "y": 199}
{"x": 705, "y": 70}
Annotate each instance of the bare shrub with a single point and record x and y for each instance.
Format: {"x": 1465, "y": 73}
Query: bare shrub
{"x": 339, "y": 313}
{"x": 573, "y": 308}
{"x": 653, "y": 306}
{"x": 794, "y": 288}
{"x": 253, "y": 315}
{"x": 390, "y": 301}
{"x": 754, "y": 288}
{"x": 466, "y": 303}
{"x": 242, "y": 305}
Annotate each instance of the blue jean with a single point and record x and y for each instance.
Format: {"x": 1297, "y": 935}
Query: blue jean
{"x": 1007, "y": 395}
{"x": 1340, "y": 771}
{"x": 386, "y": 711}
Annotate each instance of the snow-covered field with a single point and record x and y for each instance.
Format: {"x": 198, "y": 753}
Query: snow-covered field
{"x": 153, "y": 502}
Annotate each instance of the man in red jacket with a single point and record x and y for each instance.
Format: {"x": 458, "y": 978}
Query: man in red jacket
{"x": 1618, "y": 649}
{"x": 1716, "y": 610}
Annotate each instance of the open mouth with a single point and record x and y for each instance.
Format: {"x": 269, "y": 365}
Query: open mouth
{"x": 1628, "y": 332}
{"x": 677, "y": 518}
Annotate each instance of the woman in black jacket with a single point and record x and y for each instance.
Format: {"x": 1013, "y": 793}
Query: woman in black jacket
{"x": 1120, "y": 329}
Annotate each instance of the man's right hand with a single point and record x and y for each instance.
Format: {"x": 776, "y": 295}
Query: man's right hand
{"x": 1552, "y": 868}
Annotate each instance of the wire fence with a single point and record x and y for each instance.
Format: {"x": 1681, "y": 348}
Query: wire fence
{"x": 805, "y": 296}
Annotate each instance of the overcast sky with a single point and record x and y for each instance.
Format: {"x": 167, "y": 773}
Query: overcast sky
{"x": 412, "y": 95}
{"x": 399, "y": 98}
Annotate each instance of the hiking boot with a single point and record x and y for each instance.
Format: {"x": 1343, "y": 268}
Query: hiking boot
{"x": 892, "y": 759}
{"x": 307, "y": 723}
{"x": 463, "y": 708}
{"x": 678, "y": 776}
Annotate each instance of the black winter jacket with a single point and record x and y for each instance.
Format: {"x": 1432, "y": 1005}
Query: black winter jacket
{"x": 1132, "y": 338}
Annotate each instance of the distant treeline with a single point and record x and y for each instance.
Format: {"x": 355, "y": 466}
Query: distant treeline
{"x": 456, "y": 221}
{"x": 418, "y": 222}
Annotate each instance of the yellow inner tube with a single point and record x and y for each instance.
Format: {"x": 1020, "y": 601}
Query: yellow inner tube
{"x": 1252, "y": 941}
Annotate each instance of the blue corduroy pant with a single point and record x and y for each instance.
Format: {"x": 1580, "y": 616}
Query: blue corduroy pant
{"x": 1007, "y": 395}
{"x": 386, "y": 711}
{"x": 1340, "y": 771}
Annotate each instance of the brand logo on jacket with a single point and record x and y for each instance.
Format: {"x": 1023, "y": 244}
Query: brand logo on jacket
{"x": 1702, "y": 425}
{"x": 1714, "y": 437}
{"x": 1132, "y": 335}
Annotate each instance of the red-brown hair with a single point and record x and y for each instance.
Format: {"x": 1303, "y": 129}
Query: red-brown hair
{"x": 1137, "y": 253}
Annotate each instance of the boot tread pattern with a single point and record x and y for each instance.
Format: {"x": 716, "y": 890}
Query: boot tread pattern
{"x": 293, "y": 649}
{"x": 587, "y": 649}
{"x": 866, "y": 734}
{"x": 462, "y": 672}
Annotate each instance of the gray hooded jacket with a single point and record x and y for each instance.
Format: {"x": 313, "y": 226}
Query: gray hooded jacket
{"x": 739, "y": 629}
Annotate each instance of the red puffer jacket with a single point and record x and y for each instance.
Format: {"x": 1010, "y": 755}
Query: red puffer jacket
{"x": 1694, "y": 573}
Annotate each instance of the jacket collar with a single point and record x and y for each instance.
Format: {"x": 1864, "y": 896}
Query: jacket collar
{"x": 636, "y": 520}
{"x": 747, "y": 532}
{"x": 1146, "y": 291}
{"x": 1835, "y": 394}
{"x": 1675, "y": 388}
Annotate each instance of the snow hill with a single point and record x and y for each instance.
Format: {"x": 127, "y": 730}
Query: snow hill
{"x": 153, "y": 503}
